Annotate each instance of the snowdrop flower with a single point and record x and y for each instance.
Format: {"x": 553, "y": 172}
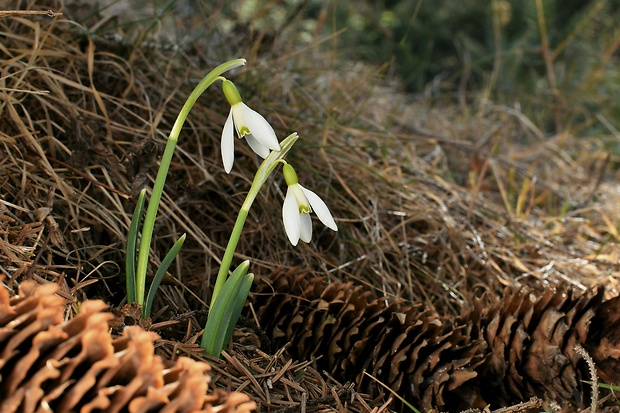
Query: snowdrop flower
{"x": 298, "y": 204}
{"x": 249, "y": 125}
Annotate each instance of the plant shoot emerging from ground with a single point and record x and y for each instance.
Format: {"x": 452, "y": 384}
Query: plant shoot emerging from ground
{"x": 229, "y": 292}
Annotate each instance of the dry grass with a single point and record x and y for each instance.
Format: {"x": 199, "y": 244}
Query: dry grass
{"x": 435, "y": 203}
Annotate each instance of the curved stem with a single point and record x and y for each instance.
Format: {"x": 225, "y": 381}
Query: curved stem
{"x": 264, "y": 171}
{"x": 160, "y": 180}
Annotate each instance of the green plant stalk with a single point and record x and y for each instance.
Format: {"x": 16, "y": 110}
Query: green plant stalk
{"x": 132, "y": 242}
{"x": 160, "y": 180}
{"x": 264, "y": 171}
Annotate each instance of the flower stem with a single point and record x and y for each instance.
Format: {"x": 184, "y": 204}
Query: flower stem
{"x": 230, "y": 250}
{"x": 160, "y": 180}
{"x": 264, "y": 171}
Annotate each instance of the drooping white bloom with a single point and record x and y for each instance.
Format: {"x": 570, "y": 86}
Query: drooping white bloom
{"x": 298, "y": 204}
{"x": 249, "y": 124}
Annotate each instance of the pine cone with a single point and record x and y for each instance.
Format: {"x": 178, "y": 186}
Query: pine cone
{"x": 47, "y": 364}
{"x": 604, "y": 341}
{"x": 501, "y": 352}
{"x": 532, "y": 344}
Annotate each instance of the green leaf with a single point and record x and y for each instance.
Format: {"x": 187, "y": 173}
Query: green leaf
{"x": 604, "y": 385}
{"x": 132, "y": 242}
{"x": 159, "y": 275}
{"x": 226, "y": 310}
{"x": 237, "y": 304}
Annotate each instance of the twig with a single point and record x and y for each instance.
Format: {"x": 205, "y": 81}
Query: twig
{"x": 533, "y": 403}
{"x": 327, "y": 400}
{"x": 11, "y": 13}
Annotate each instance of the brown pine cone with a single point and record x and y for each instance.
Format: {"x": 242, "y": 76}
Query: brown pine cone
{"x": 48, "y": 364}
{"x": 498, "y": 353}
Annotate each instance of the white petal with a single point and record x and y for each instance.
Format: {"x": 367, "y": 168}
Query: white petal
{"x": 238, "y": 119}
{"x": 305, "y": 227}
{"x": 260, "y": 128}
{"x": 260, "y": 149}
{"x": 320, "y": 209}
{"x": 290, "y": 216}
{"x": 228, "y": 144}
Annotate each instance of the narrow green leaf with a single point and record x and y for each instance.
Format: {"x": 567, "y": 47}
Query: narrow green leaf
{"x": 237, "y": 304}
{"x": 132, "y": 242}
{"x": 221, "y": 314}
{"x": 604, "y": 385}
{"x": 159, "y": 275}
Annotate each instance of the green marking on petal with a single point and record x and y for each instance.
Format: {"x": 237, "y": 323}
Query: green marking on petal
{"x": 243, "y": 130}
{"x": 241, "y": 125}
{"x": 300, "y": 197}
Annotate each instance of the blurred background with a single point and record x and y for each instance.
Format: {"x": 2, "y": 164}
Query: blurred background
{"x": 556, "y": 59}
